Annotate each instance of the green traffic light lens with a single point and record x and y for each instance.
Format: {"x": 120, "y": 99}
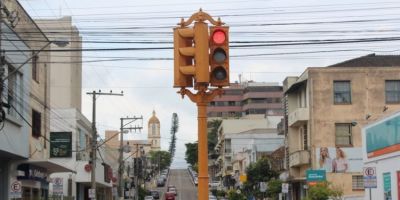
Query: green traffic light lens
{"x": 219, "y": 55}
{"x": 219, "y": 73}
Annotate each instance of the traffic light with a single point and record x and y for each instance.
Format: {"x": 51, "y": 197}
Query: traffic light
{"x": 219, "y": 56}
{"x": 191, "y": 61}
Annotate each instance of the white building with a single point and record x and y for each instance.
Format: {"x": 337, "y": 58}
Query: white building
{"x": 381, "y": 150}
{"x": 246, "y": 139}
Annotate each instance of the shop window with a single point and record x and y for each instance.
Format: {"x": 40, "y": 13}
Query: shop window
{"x": 36, "y": 124}
{"x": 358, "y": 182}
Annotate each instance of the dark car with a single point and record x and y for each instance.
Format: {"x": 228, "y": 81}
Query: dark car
{"x": 169, "y": 196}
{"x": 155, "y": 194}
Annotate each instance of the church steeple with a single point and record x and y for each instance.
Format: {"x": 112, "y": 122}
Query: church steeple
{"x": 154, "y": 132}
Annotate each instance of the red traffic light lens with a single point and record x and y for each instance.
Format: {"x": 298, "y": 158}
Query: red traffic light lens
{"x": 219, "y": 37}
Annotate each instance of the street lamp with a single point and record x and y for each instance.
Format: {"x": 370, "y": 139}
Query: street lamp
{"x": 56, "y": 42}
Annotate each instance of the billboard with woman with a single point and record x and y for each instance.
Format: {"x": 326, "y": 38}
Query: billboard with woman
{"x": 339, "y": 160}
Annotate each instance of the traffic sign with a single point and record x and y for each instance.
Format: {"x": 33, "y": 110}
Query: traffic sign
{"x": 263, "y": 186}
{"x": 285, "y": 187}
{"x": 16, "y": 189}
{"x": 369, "y": 177}
{"x": 92, "y": 193}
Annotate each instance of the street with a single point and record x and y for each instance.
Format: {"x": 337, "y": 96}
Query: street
{"x": 183, "y": 182}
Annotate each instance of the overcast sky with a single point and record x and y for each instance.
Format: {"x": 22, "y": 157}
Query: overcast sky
{"x": 270, "y": 39}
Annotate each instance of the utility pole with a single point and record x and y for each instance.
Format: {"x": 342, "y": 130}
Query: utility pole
{"x": 121, "y": 144}
{"x": 94, "y": 137}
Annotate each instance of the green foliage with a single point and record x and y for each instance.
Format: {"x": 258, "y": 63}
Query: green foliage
{"x": 257, "y": 172}
{"x": 143, "y": 193}
{"x": 161, "y": 158}
{"x": 274, "y": 188}
{"x": 174, "y": 130}
{"x": 233, "y": 195}
{"x": 191, "y": 153}
{"x": 324, "y": 191}
{"x": 213, "y": 134}
{"x": 220, "y": 193}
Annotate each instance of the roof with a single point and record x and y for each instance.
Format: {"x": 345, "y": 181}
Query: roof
{"x": 371, "y": 60}
{"x": 154, "y": 119}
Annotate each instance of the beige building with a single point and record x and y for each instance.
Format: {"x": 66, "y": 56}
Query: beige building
{"x": 325, "y": 109}
{"x": 65, "y": 71}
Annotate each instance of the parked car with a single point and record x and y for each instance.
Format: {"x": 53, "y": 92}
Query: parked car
{"x": 148, "y": 198}
{"x": 160, "y": 182}
{"x": 155, "y": 194}
{"x": 169, "y": 196}
{"x": 214, "y": 185}
{"x": 195, "y": 181}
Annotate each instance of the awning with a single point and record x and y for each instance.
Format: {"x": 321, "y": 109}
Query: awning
{"x": 295, "y": 86}
{"x": 51, "y": 166}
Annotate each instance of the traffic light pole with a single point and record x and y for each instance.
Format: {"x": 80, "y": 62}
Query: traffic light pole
{"x": 202, "y": 98}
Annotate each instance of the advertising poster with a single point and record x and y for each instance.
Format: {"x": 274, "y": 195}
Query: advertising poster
{"x": 339, "y": 160}
{"x": 383, "y": 138}
{"x": 60, "y": 144}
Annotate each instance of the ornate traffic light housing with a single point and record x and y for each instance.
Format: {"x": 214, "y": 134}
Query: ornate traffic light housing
{"x": 219, "y": 56}
{"x": 191, "y": 60}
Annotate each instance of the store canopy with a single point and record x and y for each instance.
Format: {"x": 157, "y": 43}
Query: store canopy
{"x": 51, "y": 166}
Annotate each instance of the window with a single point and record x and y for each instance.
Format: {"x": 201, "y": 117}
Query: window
{"x": 14, "y": 92}
{"x": 392, "y": 91}
{"x": 358, "y": 182}
{"x": 342, "y": 92}
{"x": 153, "y": 129}
{"x": 343, "y": 135}
{"x": 36, "y": 123}
{"x": 35, "y": 75}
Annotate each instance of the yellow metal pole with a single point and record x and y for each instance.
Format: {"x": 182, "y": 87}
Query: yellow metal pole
{"x": 202, "y": 188}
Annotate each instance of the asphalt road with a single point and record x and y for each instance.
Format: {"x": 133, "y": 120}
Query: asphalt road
{"x": 183, "y": 183}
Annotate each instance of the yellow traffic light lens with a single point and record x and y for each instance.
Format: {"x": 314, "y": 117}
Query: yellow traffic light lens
{"x": 219, "y": 73}
{"x": 219, "y": 37}
{"x": 219, "y": 55}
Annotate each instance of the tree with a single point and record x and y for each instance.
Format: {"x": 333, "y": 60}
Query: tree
{"x": 213, "y": 135}
{"x": 161, "y": 158}
{"x": 324, "y": 191}
{"x": 174, "y": 130}
{"x": 274, "y": 188}
{"x": 257, "y": 172}
{"x": 191, "y": 156}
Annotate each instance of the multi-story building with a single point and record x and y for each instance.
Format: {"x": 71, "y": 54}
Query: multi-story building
{"x": 25, "y": 142}
{"x": 247, "y": 98}
{"x": 326, "y": 107}
{"x": 244, "y": 141}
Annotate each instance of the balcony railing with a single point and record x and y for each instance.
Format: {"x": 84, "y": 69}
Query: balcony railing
{"x": 299, "y": 158}
{"x": 298, "y": 116}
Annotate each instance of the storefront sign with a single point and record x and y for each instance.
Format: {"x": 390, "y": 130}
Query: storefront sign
{"x": 60, "y": 144}
{"x": 31, "y": 172}
{"x": 92, "y": 193}
{"x": 387, "y": 186}
{"x": 16, "y": 189}
{"x": 58, "y": 186}
{"x": 315, "y": 175}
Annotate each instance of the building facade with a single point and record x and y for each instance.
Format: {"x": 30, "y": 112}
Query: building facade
{"x": 242, "y": 142}
{"x": 325, "y": 109}
{"x": 247, "y": 98}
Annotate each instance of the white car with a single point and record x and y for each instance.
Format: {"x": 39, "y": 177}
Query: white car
{"x": 148, "y": 198}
